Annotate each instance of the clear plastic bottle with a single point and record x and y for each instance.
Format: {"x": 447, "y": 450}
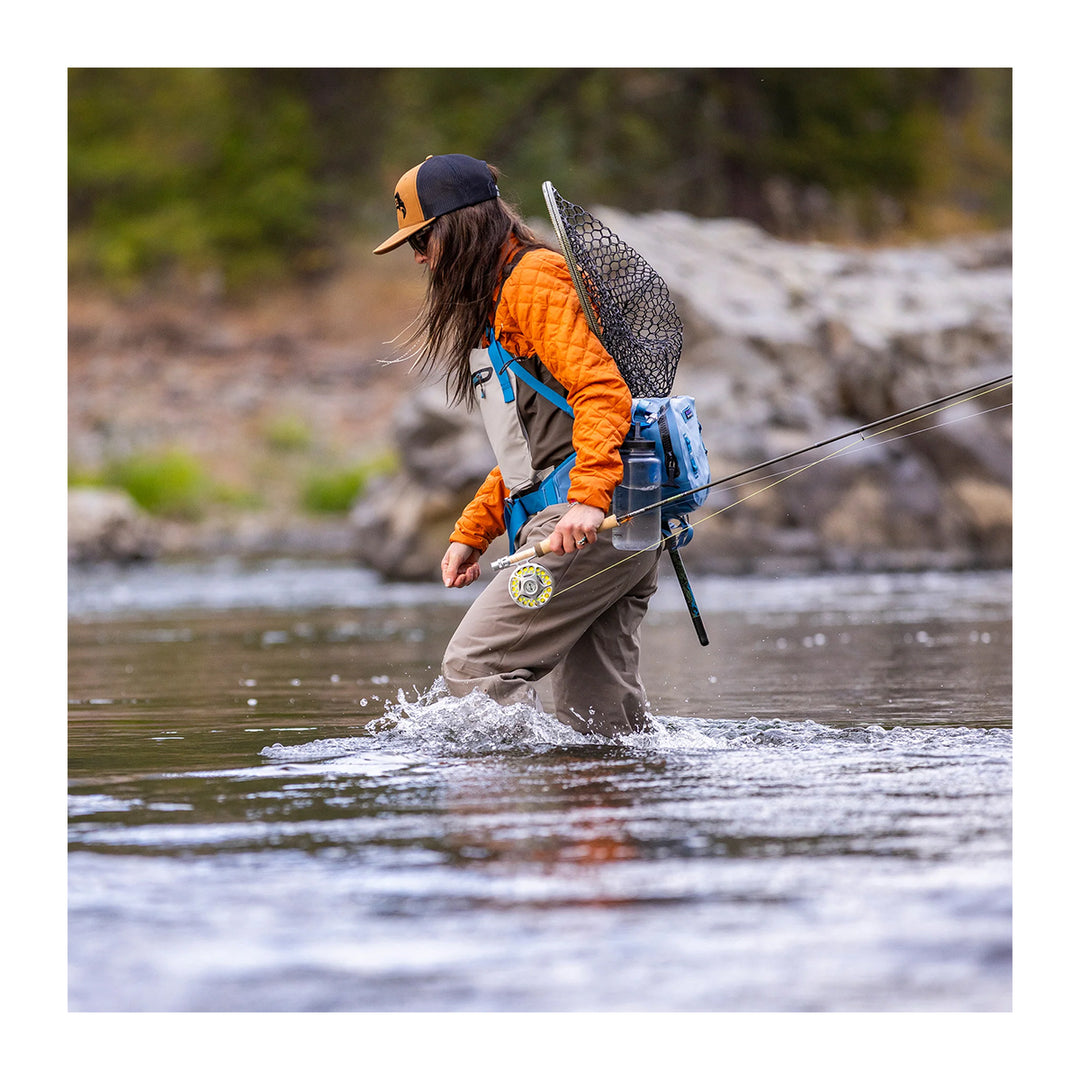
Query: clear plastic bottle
{"x": 640, "y": 486}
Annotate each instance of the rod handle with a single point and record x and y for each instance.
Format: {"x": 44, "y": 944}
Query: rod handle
{"x": 688, "y": 596}
{"x": 543, "y": 547}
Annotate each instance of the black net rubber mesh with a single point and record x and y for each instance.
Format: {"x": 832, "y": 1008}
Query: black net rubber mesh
{"x": 633, "y": 313}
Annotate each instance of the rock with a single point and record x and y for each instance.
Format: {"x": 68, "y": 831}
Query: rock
{"x": 106, "y": 524}
{"x": 402, "y": 528}
{"x": 987, "y": 509}
{"x": 788, "y": 344}
{"x": 441, "y": 447}
{"x": 402, "y": 523}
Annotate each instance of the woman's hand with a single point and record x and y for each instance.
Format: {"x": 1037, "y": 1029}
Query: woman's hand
{"x": 576, "y": 528}
{"x": 460, "y": 565}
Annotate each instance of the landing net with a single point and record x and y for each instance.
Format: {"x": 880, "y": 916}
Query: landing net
{"x": 626, "y": 301}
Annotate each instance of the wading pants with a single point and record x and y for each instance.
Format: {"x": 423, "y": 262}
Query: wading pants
{"x": 586, "y": 636}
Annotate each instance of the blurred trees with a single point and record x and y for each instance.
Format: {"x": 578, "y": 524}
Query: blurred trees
{"x": 247, "y": 173}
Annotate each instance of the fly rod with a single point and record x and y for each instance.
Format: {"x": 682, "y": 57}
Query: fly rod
{"x": 612, "y": 519}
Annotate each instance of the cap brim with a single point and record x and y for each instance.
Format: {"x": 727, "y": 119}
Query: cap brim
{"x": 400, "y": 237}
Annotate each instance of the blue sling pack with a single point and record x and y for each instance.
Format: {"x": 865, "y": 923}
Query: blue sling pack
{"x": 671, "y": 424}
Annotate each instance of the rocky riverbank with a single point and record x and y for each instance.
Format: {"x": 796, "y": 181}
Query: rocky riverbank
{"x": 786, "y": 344}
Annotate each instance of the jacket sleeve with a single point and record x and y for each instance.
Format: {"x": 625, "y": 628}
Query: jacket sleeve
{"x": 540, "y": 314}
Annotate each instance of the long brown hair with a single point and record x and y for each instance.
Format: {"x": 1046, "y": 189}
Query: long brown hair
{"x": 470, "y": 249}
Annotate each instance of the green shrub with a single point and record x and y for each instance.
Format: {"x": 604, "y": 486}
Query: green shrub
{"x": 171, "y": 484}
{"x": 333, "y": 491}
{"x": 287, "y": 433}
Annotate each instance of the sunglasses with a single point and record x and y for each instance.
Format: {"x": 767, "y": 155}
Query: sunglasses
{"x": 419, "y": 240}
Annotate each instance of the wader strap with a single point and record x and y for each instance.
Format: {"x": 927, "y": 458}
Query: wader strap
{"x": 554, "y": 489}
{"x": 503, "y": 362}
{"x": 503, "y": 374}
{"x": 556, "y": 486}
{"x": 540, "y": 388}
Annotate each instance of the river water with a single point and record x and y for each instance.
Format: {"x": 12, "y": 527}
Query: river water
{"x": 273, "y": 807}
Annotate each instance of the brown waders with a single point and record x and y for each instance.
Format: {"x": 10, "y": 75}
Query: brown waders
{"x": 586, "y": 636}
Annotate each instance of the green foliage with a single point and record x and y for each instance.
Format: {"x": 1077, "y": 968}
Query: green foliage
{"x": 204, "y": 169}
{"x": 334, "y": 490}
{"x": 171, "y": 483}
{"x": 287, "y": 433}
{"x": 254, "y": 173}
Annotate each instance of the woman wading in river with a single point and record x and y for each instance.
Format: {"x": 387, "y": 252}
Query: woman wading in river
{"x": 496, "y": 292}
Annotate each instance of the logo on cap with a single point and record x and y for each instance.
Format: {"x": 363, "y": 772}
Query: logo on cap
{"x": 400, "y": 206}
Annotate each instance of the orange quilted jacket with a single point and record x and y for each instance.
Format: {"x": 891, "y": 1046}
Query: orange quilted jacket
{"x": 539, "y": 314}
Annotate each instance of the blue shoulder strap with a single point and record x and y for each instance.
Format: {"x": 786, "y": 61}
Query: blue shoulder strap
{"x": 503, "y": 361}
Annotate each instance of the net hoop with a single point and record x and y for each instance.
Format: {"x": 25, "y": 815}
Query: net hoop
{"x": 626, "y": 302}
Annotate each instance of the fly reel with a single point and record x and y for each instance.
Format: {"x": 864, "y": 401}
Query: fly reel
{"x": 530, "y": 585}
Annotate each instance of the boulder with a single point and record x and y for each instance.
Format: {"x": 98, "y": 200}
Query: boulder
{"x": 106, "y": 525}
{"x": 402, "y": 523}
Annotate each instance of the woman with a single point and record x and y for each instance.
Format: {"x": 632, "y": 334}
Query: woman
{"x": 556, "y": 416}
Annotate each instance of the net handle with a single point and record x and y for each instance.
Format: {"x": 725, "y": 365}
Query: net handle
{"x": 550, "y": 199}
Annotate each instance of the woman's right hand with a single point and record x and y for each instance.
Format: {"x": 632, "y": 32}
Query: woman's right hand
{"x": 460, "y": 565}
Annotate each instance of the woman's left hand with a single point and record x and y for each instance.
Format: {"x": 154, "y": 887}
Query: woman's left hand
{"x": 575, "y": 529}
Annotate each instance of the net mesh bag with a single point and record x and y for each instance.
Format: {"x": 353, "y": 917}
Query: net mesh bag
{"x": 626, "y": 301}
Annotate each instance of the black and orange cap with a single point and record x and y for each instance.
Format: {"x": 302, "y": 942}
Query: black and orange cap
{"x": 441, "y": 183}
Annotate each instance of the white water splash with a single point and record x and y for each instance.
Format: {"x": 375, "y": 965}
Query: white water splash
{"x": 436, "y": 723}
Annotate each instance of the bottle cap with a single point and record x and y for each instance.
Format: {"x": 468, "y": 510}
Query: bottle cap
{"x": 634, "y": 443}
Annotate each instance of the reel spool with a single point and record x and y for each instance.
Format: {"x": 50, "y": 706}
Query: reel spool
{"x": 530, "y": 585}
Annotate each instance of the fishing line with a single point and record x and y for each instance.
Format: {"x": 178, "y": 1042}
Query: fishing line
{"x": 864, "y": 432}
{"x": 854, "y": 447}
{"x": 859, "y": 446}
{"x": 778, "y": 478}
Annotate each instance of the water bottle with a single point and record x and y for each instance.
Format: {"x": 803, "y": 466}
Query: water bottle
{"x": 640, "y": 486}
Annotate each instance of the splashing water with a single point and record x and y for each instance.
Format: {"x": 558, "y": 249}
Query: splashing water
{"x": 434, "y": 722}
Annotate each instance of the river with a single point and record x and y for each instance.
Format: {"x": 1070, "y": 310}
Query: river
{"x": 274, "y": 808}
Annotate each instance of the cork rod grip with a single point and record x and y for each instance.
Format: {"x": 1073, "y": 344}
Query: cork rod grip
{"x": 543, "y": 547}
